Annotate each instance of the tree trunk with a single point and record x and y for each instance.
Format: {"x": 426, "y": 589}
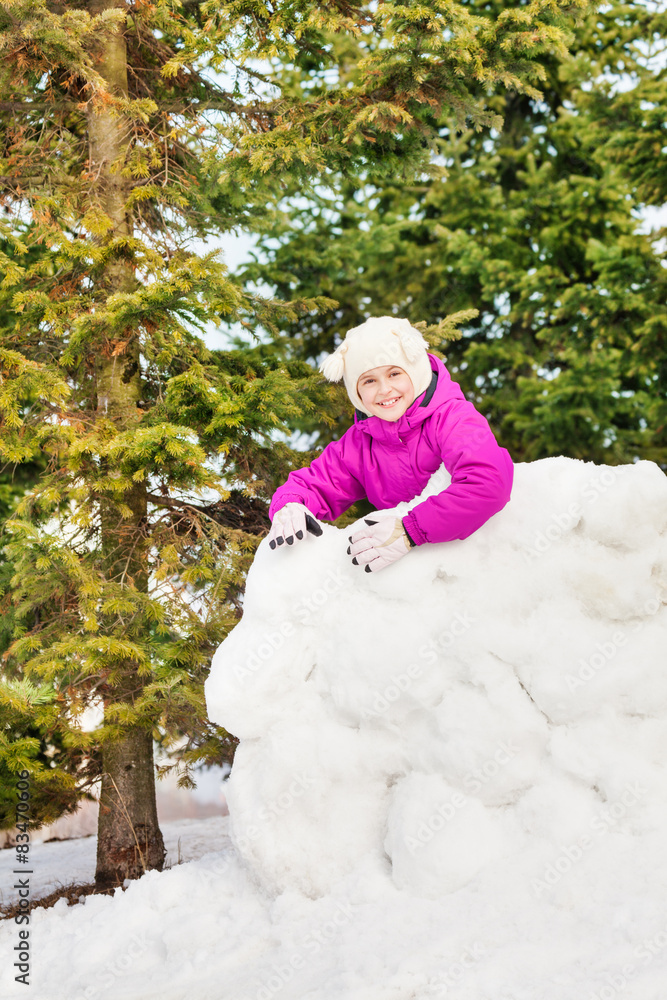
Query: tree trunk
{"x": 129, "y": 840}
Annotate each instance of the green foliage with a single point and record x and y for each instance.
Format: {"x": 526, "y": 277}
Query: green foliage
{"x": 34, "y": 738}
{"x": 128, "y": 131}
{"x": 536, "y": 227}
{"x": 628, "y": 124}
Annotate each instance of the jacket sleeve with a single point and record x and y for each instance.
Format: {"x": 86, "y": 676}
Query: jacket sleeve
{"x": 329, "y": 485}
{"x": 481, "y": 471}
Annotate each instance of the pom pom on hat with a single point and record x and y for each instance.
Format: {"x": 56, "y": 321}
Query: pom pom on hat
{"x": 412, "y": 342}
{"x": 380, "y": 341}
{"x": 333, "y": 366}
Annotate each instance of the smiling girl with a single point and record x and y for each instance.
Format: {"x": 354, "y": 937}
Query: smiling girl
{"x": 410, "y": 418}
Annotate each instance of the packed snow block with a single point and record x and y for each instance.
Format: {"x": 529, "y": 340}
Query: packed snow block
{"x": 480, "y": 698}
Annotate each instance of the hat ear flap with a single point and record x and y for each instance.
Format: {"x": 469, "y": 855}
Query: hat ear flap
{"x": 333, "y": 366}
{"x": 412, "y": 342}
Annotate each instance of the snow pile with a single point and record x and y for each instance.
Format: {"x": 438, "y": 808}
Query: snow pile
{"x": 450, "y": 783}
{"x": 60, "y": 863}
{"x": 496, "y": 701}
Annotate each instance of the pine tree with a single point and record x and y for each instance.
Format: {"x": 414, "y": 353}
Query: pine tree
{"x": 627, "y": 126}
{"x": 128, "y": 130}
{"x": 28, "y": 741}
{"x": 628, "y": 123}
{"x": 27, "y": 712}
{"x": 535, "y": 226}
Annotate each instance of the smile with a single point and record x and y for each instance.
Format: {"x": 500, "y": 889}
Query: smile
{"x": 389, "y": 402}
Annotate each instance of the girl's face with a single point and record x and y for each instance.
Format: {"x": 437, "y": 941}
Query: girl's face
{"x": 386, "y": 392}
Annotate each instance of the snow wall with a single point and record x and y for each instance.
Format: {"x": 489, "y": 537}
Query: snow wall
{"x": 496, "y": 701}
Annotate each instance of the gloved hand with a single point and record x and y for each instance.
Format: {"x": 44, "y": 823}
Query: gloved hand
{"x": 379, "y": 544}
{"x": 292, "y": 522}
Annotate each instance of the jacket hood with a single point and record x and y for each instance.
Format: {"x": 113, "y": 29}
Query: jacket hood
{"x": 441, "y": 389}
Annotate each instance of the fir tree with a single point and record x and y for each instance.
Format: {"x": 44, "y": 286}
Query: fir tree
{"x": 629, "y": 123}
{"x": 129, "y": 129}
{"x": 535, "y": 226}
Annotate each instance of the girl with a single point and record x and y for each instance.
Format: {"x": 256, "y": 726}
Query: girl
{"x": 410, "y": 418}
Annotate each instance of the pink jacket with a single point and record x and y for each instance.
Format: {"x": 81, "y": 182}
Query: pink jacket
{"x": 391, "y": 461}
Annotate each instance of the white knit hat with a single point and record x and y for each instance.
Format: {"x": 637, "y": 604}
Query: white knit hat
{"x": 382, "y": 340}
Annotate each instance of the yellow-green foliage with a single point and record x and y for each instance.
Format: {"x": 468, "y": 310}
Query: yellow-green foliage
{"x": 128, "y": 556}
{"x": 539, "y": 225}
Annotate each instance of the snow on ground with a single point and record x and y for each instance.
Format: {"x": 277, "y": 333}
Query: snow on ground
{"x": 451, "y": 780}
{"x": 59, "y": 863}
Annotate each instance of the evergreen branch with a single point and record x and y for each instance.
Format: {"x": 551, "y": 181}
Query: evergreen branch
{"x": 239, "y": 512}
